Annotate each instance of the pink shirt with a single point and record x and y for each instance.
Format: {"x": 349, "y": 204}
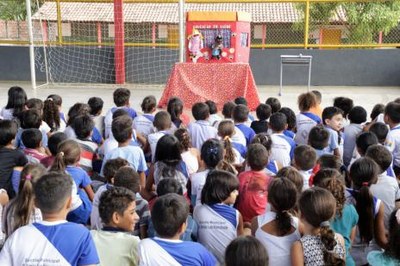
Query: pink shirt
{"x": 253, "y": 191}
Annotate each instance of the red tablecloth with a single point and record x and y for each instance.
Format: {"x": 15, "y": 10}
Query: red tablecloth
{"x": 214, "y": 81}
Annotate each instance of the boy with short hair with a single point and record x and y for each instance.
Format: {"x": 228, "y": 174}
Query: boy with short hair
{"x": 242, "y": 100}
{"x": 274, "y": 103}
{"x": 201, "y": 130}
{"x": 114, "y": 243}
{"x": 282, "y": 146}
{"x": 381, "y": 131}
{"x": 345, "y": 104}
{"x": 357, "y": 117}
{"x": 54, "y": 240}
{"x": 162, "y": 123}
{"x": 30, "y": 119}
{"x": 332, "y": 118}
{"x": 319, "y": 140}
{"x": 121, "y": 98}
{"x": 263, "y": 112}
{"x": 392, "y": 118}
{"x": 169, "y": 216}
{"x": 96, "y": 108}
{"x": 227, "y": 110}
{"x": 144, "y": 123}
{"x": 122, "y": 131}
{"x": 9, "y": 156}
{"x": 244, "y": 134}
{"x": 386, "y": 188}
{"x": 305, "y": 159}
{"x": 32, "y": 138}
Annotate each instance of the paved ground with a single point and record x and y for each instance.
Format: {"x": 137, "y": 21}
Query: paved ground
{"x": 364, "y": 96}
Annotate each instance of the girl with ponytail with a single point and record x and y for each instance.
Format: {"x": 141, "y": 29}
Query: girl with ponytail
{"x": 277, "y": 229}
{"x": 175, "y": 109}
{"x": 370, "y": 228}
{"x": 51, "y": 115}
{"x": 319, "y": 245}
{"x": 226, "y": 129}
{"x": 190, "y": 155}
{"x": 21, "y": 210}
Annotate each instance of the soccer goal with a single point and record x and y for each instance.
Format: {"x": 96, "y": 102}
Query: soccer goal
{"x": 98, "y": 42}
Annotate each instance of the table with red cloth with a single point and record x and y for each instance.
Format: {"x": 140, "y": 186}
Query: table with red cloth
{"x": 219, "y": 82}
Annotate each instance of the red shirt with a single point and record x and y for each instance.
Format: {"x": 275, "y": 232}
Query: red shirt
{"x": 253, "y": 192}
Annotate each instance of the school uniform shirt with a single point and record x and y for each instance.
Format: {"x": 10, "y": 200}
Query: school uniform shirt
{"x": 282, "y": 149}
{"x": 19, "y": 143}
{"x": 167, "y": 252}
{"x": 200, "y": 131}
{"x": 272, "y": 168}
{"x": 134, "y": 155}
{"x": 9, "y": 159}
{"x": 247, "y": 131}
{"x": 7, "y": 114}
{"x": 393, "y": 144}
{"x": 306, "y": 174}
{"x": 47, "y": 243}
{"x": 98, "y": 123}
{"x": 108, "y": 118}
{"x": 289, "y": 133}
{"x": 153, "y": 139}
{"x": 217, "y": 227}
{"x": 305, "y": 121}
{"x": 33, "y": 156}
{"x": 350, "y": 135}
{"x": 387, "y": 190}
{"x": 197, "y": 182}
{"x": 333, "y": 142}
{"x": 116, "y": 247}
{"x": 214, "y": 119}
{"x": 144, "y": 124}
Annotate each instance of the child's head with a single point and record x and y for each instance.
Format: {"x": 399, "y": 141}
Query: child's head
{"x": 96, "y": 105}
{"x": 282, "y": 195}
{"x": 274, "y": 103}
{"x": 318, "y": 138}
{"x": 56, "y": 99}
{"x": 240, "y": 100}
{"x": 246, "y": 250}
{"x": 168, "y": 150}
{"x": 278, "y": 122}
{"x": 332, "y": 181}
{"x": 377, "y": 110}
{"x": 380, "y": 130}
{"x": 392, "y": 113}
{"x": 263, "y": 139}
{"x": 329, "y": 161}
{"x": 182, "y": 134}
{"x": 363, "y": 173}
{"x": 240, "y": 113}
{"x": 149, "y": 104}
{"x": 227, "y": 109}
{"x": 318, "y": 96}
{"x": 169, "y": 185}
{"x": 317, "y": 207}
{"x": 121, "y": 97}
{"x": 263, "y": 111}
{"x": 76, "y": 110}
{"x": 290, "y": 117}
{"x": 111, "y": 167}
{"x": 162, "y": 121}
{"x": 293, "y": 175}
{"x": 128, "y": 178}
{"x": 333, "y": 117}
{"x": 117, "y": 208}
{"x": 257, "y": 157}
{"x": 16, "y": 100}
{"x": 121, "y": 127}
{"x": 32, "y": 138}
{"x": 343, "y": 103}
{"x": 200, "y": 111}
{"x": 364, "y": 140}
{"x": 30, "y": 119}
{"x": 54, "y": 141}
{"x": 226, "y": 129}
{"x": 169, "y": 215}
{"x": 305, "y": 157}
{"x": 393, "y": 249}
{"x": 212, "y": 106}
{"x": 8, "y": 130}
{"x": 51, "y": 114}
{"x": 83, "y": 126}
{"x": 381, "y": 156}
{"x": 120, "y": 112}
{"x": 53, "y": 193}
{"x": 175, "y": 108}
{"x": 220, "y": 187}
{"x": 35, "y": 103}
{"x": 306, "y": 101}
{"x": 69, "y": 153}
{"x": 357, "y": 115}
{"x": 212, "y": 152}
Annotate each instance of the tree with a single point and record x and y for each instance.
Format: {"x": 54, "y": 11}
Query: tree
{"x": 16, "y": 9}
{"x": 363, "y": 20}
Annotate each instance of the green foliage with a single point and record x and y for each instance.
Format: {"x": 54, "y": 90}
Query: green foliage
{"x": 363, "y": 20}
{"x": 16, "y": 9}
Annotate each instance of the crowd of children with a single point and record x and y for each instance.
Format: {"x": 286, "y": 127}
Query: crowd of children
{"x": 155, "y": 188}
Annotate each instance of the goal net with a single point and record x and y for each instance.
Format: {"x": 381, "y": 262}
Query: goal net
{"x": 77, "y": 42}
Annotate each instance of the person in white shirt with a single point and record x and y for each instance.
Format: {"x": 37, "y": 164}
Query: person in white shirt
{"x": 392, "y": 118}
{"x": 201, "y": 130}
{"x": 305, "y": 159}
{"x": 162, "y": 123}
{"x": 282, "y": 146}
